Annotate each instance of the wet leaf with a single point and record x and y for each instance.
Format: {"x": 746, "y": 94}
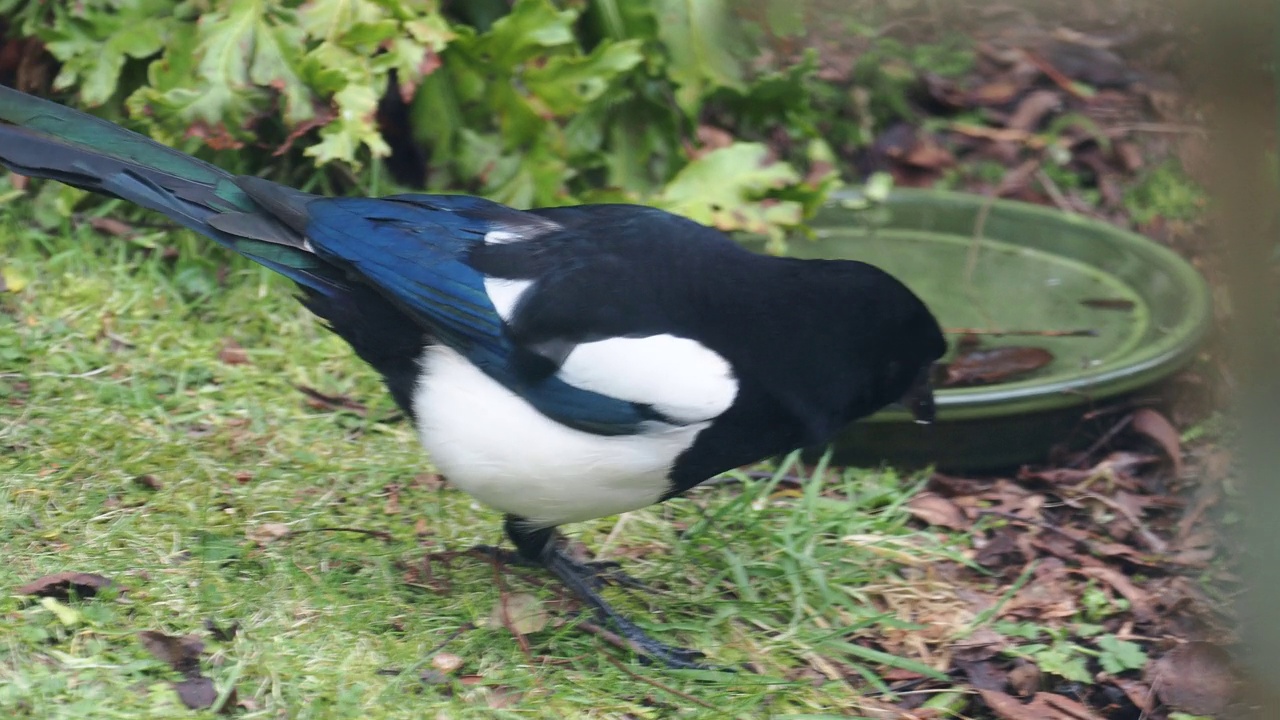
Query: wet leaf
{"x": 1109, "y": 303}
{"x": 521, "y": 613}
{"x": 994, "y": 365}
{"x": 62, "y": 585}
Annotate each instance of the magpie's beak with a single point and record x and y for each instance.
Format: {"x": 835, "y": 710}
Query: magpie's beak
{"x": 919, "y": 397}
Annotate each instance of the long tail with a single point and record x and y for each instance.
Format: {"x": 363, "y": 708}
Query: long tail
{"x": 45, "y": 140}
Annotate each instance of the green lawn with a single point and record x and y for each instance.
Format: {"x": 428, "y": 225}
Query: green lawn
{"x": 111, "y": 368}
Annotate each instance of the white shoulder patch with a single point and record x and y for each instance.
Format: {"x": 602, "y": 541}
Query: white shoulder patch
{"x": 505, "y": 294}
{"x": 679, "y": 377}
{"x": 525, "y": 227}
{"x": 501, "y": 237}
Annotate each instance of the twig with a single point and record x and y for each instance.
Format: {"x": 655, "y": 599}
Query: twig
{"x": 1150, "y": 539}
{"x": 1100, "y": 442}
{"x": 61, "y": 376}
{"x": 1055, "y": 193}
{"x": 1086, "y": 332}
{"x": 1152, "y": 127}
{"x": 465, "y": 627}
{"x": 504, "y": 611}
{"x": 971, "y": 257}
{"x": 1035, "y": 523}
{"x": 613, "y": 535}
{"x": 379, "y": 534}
{"x": 334, "y": 401}
{"x": 607, "y": 635}
{"x": 661, "y": 686}
{"x": 1055, "y": 75}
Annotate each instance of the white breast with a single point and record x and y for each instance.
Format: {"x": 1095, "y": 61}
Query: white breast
{"x": 496, "y": 447}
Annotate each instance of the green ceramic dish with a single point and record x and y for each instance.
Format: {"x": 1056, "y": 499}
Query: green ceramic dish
{"x": 1012, "y": 266}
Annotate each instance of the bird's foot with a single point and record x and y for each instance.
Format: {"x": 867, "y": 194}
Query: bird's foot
{"x": 601, "y": 572}
{"x": 583, "y": 580}
{"x": 652, "y": 650}
{"x": 502, "y": 556}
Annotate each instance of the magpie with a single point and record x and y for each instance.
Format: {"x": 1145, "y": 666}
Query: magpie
{"x": 558, "y": 364}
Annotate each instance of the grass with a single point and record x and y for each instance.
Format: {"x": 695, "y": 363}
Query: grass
{"x": 110, "y": 369}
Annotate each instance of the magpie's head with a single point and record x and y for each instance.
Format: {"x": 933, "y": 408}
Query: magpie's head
{"x": 912, "y": 351}
{"x": 907, "y": 340}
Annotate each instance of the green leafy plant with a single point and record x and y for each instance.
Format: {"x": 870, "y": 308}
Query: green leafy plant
{"x": 1055, "y": 652}
{"x": 531, "y": 102}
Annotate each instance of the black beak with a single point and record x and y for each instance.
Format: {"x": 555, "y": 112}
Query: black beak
{"x": 919, "y": 397}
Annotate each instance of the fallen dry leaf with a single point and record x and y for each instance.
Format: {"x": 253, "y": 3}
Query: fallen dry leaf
{"x": 112, "y": 226}
{"x": 521, "y": 613}
{"x": 937, "y": 510}
{"x": 1044, "y": 706}
{"x": 1032, "y": 110}
{"x": 232, "y": 353}
{"x": 392, "y": 505}
{"x": 996, "y": 92}
{"x": 928, "y": 154}
{"x": 180, "y": 652}
{"x": 1152, "y": 424}
{"x": 197, "y": 692}
{"x": 60, "y": 586}
{"x": 1139, "y": 601}
{"x": 266, "y": 533}
{"x": 1018, "y": 178}
{"x": 222, "y": 634}
{"x": 711, "y": 138}
{"x": 429, "y": 481}
{"x": 1138, "y": 692}
{"x": 501, "y": 697}
{"x": 984, "y": 675}
{"x": 446, "y": 662}
{"x": 1197, "y": 677}
{"x": 1024, "y": 678}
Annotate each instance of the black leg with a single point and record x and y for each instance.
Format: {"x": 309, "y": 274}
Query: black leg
{"x": 601, "y": 572}
{"x": 540, "y": 545}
